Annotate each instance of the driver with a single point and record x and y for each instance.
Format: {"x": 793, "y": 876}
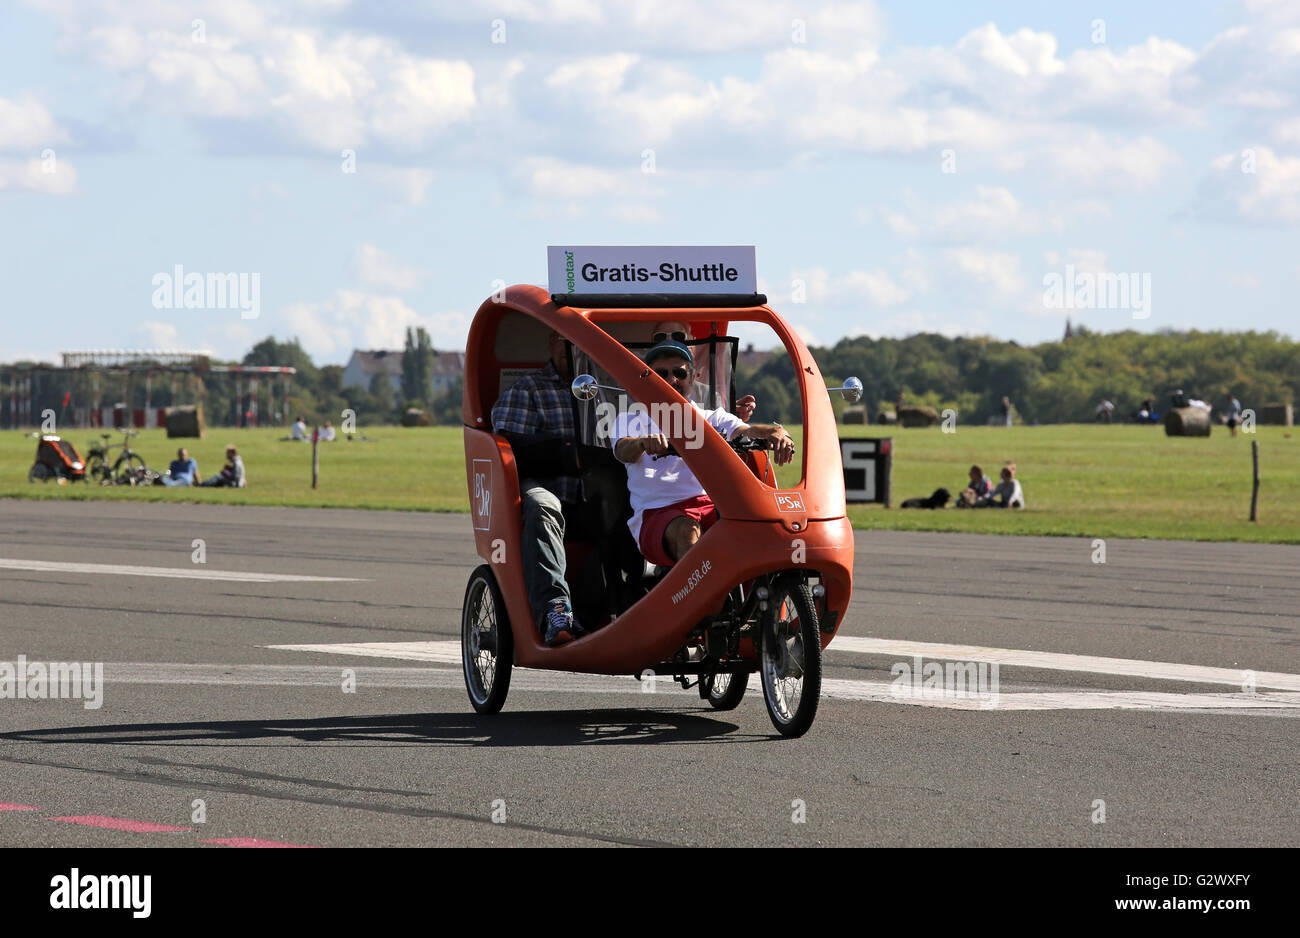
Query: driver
{"x": 680, "y": 331}
{"x": 670, "y": 509}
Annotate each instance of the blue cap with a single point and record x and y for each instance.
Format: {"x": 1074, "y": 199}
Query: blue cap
{"x": 670, "y": 346}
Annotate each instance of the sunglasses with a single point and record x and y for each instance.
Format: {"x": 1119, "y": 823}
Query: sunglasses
{"x": 681, "y": 373}
{"x": 663, "y": 336}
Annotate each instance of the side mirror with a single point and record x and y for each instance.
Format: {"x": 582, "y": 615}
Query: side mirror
{"x": 584, "y": 387}
{"x": 852, "y": 390}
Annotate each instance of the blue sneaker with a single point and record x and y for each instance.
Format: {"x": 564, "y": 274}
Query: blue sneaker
{"x": 560, "y": 625}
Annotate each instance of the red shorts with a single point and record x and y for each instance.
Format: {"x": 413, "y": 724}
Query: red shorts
{"x": 654, "y": 521}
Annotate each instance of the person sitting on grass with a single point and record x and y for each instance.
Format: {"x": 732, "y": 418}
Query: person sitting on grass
{"x": 978, "y": 493}
{"x": 231, "y": 474}
{"x": 1008, "y": 494}
{"x": 327, "y": 432}
{"x": 299, "y": 430}
{"x": 183, "y": 470}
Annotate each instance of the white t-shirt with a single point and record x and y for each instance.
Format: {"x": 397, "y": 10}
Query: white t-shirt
{"x": 654, "y": 483}
{"x": 300, "y": 431}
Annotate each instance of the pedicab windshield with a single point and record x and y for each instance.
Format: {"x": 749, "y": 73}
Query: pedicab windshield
{"x": 713, "y": 385}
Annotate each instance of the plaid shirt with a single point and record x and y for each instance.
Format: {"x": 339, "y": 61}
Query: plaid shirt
{"x": 540, "y": 403}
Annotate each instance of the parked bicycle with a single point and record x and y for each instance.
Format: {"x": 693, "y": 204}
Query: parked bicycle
{"x": 127, "y": 469}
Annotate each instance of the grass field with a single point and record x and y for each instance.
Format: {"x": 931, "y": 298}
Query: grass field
{"x": 1079, "y": 480}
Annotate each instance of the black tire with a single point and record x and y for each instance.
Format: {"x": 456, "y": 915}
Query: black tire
{"x": 725, "y": 691}
{"x": 127, "y": 468}
{"x": 97, "y": 470}
{"x": 39, "y": 473}
{"x": 790, "y": 656}
{"x": 487, "y": 647}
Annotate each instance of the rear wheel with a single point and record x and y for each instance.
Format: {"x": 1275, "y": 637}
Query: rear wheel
{"x": 487, "y": 647}
{"x": 725, "y": 691}
{"x": 127, "y": 469}
{"x": 39, "y": 473}
{"x": 790, "y": 656}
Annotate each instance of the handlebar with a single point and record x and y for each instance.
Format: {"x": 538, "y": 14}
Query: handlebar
{"x": 741, "y": 444}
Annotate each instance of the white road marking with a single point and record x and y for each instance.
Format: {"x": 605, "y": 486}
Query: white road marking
{"x": 433, "y": 652}
{"x": 184, "y": 573}
{"x": 448, "y": 652}
{"x": 1130, "y": 667}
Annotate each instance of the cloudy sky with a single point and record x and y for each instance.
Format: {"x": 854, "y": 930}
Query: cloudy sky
{"x": 899, "y": 167}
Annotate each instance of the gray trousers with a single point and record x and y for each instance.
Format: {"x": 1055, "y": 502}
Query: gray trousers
{"x": 543, "y": 548}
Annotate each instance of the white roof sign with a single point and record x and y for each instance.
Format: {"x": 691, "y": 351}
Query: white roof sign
{"x": 645, "y": 269}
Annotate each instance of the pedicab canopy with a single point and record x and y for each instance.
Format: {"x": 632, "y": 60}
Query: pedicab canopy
{"x": 604, "y": 301}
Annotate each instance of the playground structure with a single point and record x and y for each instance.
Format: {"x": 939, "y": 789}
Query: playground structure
{"x": 76, "y": 390}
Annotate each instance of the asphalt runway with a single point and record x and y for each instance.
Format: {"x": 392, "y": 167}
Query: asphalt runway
{"x": 1150, "y": 700}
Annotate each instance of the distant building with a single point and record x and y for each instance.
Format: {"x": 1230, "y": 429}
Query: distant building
{"x": 1069, "y": 330}
{"x": 448, "y": 368}
{"x": 364, "y": 365}
{"x": 749, "y": 358}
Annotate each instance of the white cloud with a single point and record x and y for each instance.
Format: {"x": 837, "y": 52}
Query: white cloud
{"x": 993, "y": 211}
{"x": 26, "y": 125}
{"x": 379, "y": 269}
{"x": 560, "y": 179}
{"x": 1268, "y": 196}
{"x": 986, "y": 274}
{"x": 1089, "y": 158}
{"x": 334, "y": 91}
{"x": 408, "y": 186}
{"x": 157, "y": 335}
{"x": 34, "y": 176}
{"x": 855, "y": 288}
{"x": 634, "y": 213}
{"x": 351, "y": 319}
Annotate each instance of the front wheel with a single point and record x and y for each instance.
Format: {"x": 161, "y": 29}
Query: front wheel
{"x": 790, "y": 656}
{"x": 487, "y": 647}
{"x": 724, "y": 691}
{"x": 97, "y": 469}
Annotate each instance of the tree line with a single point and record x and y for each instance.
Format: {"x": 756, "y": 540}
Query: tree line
{"x": 1053, "y": 382}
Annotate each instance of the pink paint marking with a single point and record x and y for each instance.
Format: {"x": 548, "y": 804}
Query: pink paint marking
{"x": 120, "y": 824}
{"x": 10, "y": 806}
{"x": 252, "y": 842}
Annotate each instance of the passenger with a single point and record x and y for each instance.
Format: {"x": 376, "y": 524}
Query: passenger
{"x": 183, "y": 470}
{"x": 536, "y": 414}
{"x": 977, "y": 494}
{"x": 231, "y": 474}
{"x": 1008, "y": 494}
{"x": 678, "y": 331}
{"x": 670, "y": 509}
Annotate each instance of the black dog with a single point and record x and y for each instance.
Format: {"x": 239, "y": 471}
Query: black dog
{"x": 939, "y": 499}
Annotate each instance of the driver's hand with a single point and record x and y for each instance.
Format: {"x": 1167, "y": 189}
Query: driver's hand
{"x": 782, "y": 447}
{"x": 745, "y": 407}
{"x": 655, "y": 444}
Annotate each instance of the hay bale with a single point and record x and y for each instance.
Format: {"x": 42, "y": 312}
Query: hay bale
{"x": 913, "y": 415}
{"x": 414, "y": 417}
{"x": 1275, "y": 415}
{"x": 184, "y": 421}
{"x": 1187, "y": 421}
{"x": 887, "y": 417}
{"x": 856, "y": 414}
